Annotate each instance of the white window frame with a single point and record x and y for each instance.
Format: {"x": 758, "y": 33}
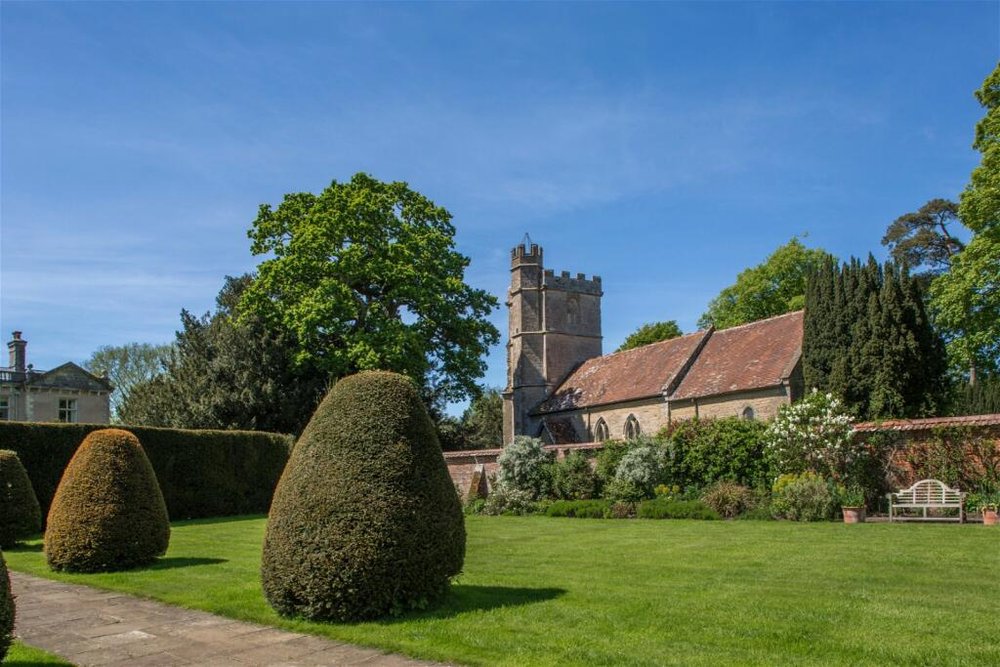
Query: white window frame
{"x": 68, "y": 410}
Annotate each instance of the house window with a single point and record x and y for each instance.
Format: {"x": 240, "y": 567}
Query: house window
{"x": 632, "y": 430}
{"x": 601, "y": 430}
{"x": 748, "y": 413}
{"x": 4, "y": 409}
{"x": 67, "y": 410}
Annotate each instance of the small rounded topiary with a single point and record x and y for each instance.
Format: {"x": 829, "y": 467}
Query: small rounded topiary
{"x": 365, "y": 520}
{"x": 6, "y": 610}
{"x": 20, "y": 515}
{"x": 108, "y": 511}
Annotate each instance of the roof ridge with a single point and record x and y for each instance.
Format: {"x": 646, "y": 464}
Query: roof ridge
{"x": 648, "y": 345}
{"x": 766, "y": 319}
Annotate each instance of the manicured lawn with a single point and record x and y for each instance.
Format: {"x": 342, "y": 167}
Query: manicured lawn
{"x": 22, "y": 655}
{"x": 574, "y": 591}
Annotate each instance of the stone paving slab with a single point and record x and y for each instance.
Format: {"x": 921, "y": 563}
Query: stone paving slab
{"x": 92, "y": 627}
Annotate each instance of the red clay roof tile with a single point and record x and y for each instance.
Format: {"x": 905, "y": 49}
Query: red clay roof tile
{"x": 638, "y": 373}
{"x": 751, "y": 356}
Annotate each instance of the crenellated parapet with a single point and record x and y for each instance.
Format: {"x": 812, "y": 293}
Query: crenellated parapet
{"x": 564, "y": 281}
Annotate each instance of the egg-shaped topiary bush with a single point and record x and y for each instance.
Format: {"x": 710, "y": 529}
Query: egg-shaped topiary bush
{"x": 365, "y": 520}
{"x": 108, "y": 511}
{"x": 6, "y": 610}
{"x": 20, "y": 515}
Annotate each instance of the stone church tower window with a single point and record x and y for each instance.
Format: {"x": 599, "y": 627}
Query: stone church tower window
{"x": 601, "y": 430}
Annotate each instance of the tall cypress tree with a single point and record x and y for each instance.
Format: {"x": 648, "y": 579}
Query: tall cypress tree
{"x": 868, "y": 339}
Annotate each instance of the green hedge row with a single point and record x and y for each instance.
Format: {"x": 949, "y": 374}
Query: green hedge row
{"x": 201, "y": 473}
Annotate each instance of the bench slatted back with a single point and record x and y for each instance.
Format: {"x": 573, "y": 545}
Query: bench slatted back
{"x": 930, "y": 492}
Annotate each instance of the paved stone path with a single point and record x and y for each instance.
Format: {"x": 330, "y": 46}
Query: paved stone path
{"x": 88, "y": 626}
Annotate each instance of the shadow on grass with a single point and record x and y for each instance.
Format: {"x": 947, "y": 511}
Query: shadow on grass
{"x": 463, "y": 598}
{"x": 26, "y": 548}
{"x": 177, "y": 561}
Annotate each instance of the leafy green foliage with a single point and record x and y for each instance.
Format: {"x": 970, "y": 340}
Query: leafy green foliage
{"x": 641, "y": 469}
{"x": 365, "y": 521}
{"x": 483, "y": 420}
{"x": 20, "y": 515}
{"x": 654, "y": 332}
{"x": 966, "y": 305}
{"x": 126, "y": 367}
{"x": 366, "y": 276}
{"x": 813, "y": 434}
{"x": 704, "y": 451}
{"x": 966, "y": 300}
{"x": 573, "y": 478}
{"x": 728, "y": 499}
{"x": 922, "y": 238}
{"x": 508, "y": 501}
{"x": 664, "y": 508}
{"x": 774, "y": 287}
{"x": 982, "y": 398}
{"x": 960, "y": 457}
{"x": 580, "y": 509}
{"x": 803, "y": 497}
{"x": 980, "y": 203}
{"x": 229, "y": 372}
{"x": 524, "y": 466}
{"x": 108, "y": 513}
{"x": 607, "y": 460}
{"x": 7, "y": 610}
{"x": 868, "y": 339}
{"x": 201, "y": 473}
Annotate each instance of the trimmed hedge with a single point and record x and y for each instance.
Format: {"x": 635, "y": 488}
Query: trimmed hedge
{"x": 20, "y": 516}
{"x": 6, "y": 610}
{"x": 365, "y": 521}
{"x": 662, "y": 508}
{"x": 201, "y": 473}
{"x": 579, "y": 509}
{"x": 108, "y": 512}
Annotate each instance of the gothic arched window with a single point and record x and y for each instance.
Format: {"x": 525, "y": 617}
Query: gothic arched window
{"x": 748, "y": 413}
{"x": 632, "y": 430}
{"x": 601, "y": 430}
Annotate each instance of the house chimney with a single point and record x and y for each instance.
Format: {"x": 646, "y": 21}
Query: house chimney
{"x": 17, "y": 352}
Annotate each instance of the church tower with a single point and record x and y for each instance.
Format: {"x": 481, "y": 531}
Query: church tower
{"x": 554, "y": 324}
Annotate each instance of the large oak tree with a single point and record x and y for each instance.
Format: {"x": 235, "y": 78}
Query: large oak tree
{"x": 366, "y": 276}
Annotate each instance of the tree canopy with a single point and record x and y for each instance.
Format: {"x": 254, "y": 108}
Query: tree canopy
{"x": 774, "y": 287}
{"x": 966, "y": 299}
{"x": 365, "y": 275}
{"x": 228, "y": 372}
{"x": 127, "y": 366}
{"x": 867, "y": 339}
{"x": 653, "y": 332}
{"x": 922, "y": 239}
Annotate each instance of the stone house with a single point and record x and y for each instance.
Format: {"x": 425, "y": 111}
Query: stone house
{"x": 560, "y": 387}
{"x": 67, "y": 393}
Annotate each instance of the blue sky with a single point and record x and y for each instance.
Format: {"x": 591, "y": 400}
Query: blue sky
{"x": 664, "y": 147}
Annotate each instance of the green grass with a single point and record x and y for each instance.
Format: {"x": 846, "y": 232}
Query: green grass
{"x": 543, "y": 591}
{"x": 22, "y": 655}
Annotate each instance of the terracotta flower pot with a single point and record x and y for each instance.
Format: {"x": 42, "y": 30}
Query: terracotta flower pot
{"x": 853, "y": 514}
{"x": 990, "y": 518}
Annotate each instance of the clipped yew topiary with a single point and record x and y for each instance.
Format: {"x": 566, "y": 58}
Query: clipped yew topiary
{"x": 6, "y": 610}
{"x": 20, "y": 515}
{"x": 108, "y": 512}
{"x": 365, "y": 521}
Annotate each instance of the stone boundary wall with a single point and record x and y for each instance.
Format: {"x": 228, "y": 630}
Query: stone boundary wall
{"x": 463, "y": 465}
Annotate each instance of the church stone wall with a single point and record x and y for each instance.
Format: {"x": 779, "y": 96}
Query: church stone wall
{"x": 765, "y": 404}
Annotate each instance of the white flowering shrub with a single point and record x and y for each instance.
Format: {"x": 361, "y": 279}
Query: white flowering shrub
{"x": 814, "y": 434}
{"x": 641, "y": 468}
{"x": 525, "y": 466}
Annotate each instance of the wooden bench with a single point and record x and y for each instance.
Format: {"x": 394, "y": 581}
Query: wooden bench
{"x": 927, "y": 494}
